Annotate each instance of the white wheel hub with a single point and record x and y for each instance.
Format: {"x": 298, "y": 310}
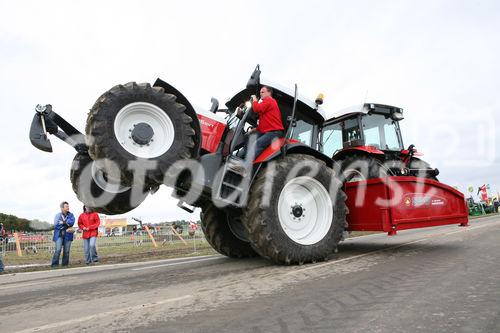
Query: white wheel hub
{"x": 144, "y": 114}
{"x": 305, "y": 210}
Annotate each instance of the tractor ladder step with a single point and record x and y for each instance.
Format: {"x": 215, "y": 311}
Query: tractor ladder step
{"x": 233, "y": 188}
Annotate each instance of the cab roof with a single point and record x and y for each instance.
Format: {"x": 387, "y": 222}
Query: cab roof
{"x": 364, "y": 109}
{"x": 283, "y": 95}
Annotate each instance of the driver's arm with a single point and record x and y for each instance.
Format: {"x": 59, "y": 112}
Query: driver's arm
{"x": 261, "y": 107}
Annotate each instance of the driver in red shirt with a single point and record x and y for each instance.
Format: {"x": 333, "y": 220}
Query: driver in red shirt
{"x": 270, "y": 125}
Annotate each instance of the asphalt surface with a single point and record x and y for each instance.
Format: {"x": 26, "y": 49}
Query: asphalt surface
{"x": 444, "y": 279}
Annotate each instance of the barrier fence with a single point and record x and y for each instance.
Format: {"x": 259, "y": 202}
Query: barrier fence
{"x": 25, "y": 244}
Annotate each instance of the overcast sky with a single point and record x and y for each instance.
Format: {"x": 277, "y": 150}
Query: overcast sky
{"x": 439, "y": 60}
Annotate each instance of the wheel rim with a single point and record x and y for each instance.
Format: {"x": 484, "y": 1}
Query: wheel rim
{"x": 305, "y": 210}
{"x": 105, "y": 184}
{"x": 144, "y": 114}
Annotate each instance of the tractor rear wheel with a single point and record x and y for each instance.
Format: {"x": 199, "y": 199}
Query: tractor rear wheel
{"x": 97, "y": 192}
{"x": 220, "y": 234}
{"x": 360, "y": 167}
{"x": 139, "y": 122}
{"x": 299, "y": 215}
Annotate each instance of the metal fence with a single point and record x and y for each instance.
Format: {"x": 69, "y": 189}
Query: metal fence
{"x": 33, "y": 243}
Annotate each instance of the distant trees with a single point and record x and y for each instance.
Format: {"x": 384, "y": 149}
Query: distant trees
{"x": 181, "y": 223}
{"x": 14, "y": 223}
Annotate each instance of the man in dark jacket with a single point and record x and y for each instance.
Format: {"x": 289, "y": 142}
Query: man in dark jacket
{"x": 63, "y": 234}
{"x": 2, "y": 244}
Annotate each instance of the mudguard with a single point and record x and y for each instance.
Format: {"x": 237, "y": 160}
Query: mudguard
{"x": 279, "y": 146}
{"x": 169, "y": 89}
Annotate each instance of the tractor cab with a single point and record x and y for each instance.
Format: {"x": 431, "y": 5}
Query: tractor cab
{"x": 373, "y": 126}
{"x": 308, "y": 117}
{"x": 370, "y": 133}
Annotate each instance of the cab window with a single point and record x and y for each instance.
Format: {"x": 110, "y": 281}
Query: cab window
{"x": 381, "y": 131}
{"x": 331, "y": 140}
{"x": 303, "y": 132}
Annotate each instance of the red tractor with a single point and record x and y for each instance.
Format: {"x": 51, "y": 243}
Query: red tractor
{"x": 288, "y": 204}
{"x": 366, "y": 140}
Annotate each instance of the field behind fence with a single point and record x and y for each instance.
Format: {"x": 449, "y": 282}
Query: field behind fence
{"x": 38, "y": 248}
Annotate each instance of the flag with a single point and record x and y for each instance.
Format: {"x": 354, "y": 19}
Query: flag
{"x": 484, "y": 192}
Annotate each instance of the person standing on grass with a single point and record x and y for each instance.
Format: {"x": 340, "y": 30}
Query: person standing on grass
{"x": 63, "y": 234}
{"x": 2, "y": 237}
{"x": 89, "y": 222}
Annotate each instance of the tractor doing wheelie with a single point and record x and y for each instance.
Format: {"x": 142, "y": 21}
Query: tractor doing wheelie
{"x": 288, "y": 204}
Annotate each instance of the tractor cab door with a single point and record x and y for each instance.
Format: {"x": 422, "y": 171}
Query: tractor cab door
{"x": 342, "y": 133}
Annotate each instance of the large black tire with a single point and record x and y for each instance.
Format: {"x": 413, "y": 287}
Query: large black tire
{"x": 267, "y": 232}
{"x": 96, "y": 197}
{"x": 102, "y": 139}
{"x": 214, "y": 223}
{"x": 361, "y": 167}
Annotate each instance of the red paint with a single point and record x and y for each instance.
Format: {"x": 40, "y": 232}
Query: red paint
{"x": 405, "y": 152}
{"x": 32, "y": 238}
{"x": 211, "y": 133}
{"x": 431, "y": 204}
{"x": 273, "y": 148}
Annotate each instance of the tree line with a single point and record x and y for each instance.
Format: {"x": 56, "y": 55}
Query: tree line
{"x": 14, "y": 223}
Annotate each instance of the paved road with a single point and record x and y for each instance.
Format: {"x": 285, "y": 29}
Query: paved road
{"x": 444, "y": 279}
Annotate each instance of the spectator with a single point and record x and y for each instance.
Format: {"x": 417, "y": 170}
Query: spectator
{"x": 2, "y": 238}
{"x": 89, "y": 222}
{"x": 63, "y": 234}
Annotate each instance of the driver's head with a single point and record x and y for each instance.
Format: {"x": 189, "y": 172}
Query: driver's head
{"x": 266, "y": 91}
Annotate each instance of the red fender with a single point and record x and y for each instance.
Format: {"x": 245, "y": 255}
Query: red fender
{"x": 405, "y": 152}
{"x": 273, "y": 149}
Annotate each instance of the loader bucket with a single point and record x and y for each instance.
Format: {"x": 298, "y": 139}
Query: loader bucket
{"x": 38, "y": 136}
